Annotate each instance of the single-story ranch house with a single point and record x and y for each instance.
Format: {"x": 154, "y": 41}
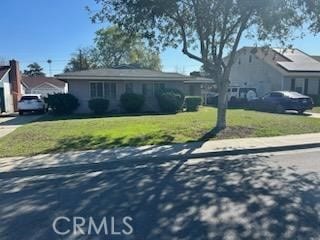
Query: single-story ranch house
{"x": 112, "y": 83}
{"x": 271, "y": 69}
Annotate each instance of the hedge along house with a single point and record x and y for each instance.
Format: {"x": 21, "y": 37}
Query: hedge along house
{"x": 10, "y": 87}
{"x": 112, "y": 83}
{"x": 272, "y": 69}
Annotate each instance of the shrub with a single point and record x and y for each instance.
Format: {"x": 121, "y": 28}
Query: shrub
{"x": 193, "y": 103}
{"x": 132, "y": 102}
{"x": 62, "y": 103}
{"x": 170, "y": 100}
{"x": 316, "y": 100}
{"x": 99, "y": 106}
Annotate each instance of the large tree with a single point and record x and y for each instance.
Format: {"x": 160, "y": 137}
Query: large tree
{"x": 34, "y": 69}
{"x": 114, "y": 47}
{"x": 206, "y": 30}
{"x": 80, "y": 60}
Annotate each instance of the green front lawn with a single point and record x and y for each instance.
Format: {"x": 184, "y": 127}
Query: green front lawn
{"x": 56, "y": 135}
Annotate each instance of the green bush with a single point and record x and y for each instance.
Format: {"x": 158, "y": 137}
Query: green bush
{"x": 192, "y": 103}
{"x": 316, "y": 100}
{"x": 62, "y": 103}
{"x": 170, "y": 100}
{"x": 132, "y": 102}
{"x": 99, "y": 106}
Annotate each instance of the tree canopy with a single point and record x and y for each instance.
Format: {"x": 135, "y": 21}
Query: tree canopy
{"x": 207, "y": 30}
{"x": 113, "y": 47}
{"x": 34, "y": 69}
{"x": 80, "y": 60}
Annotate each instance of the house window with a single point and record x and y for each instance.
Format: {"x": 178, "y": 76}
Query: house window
{"x": 293, "y": 84}
{"x": 306, "y": 86}
{"x": 239, "y": 61}
{"x": 250, "y": 59}
{"x": 110, "y": 90}
{"x": 319, "y": 87}
{"x": 96, "y": 90}
{"x": 129, "y": 87}
{"x": 147, "y": 89}
{"x": 192, "y": 90}
{"x": 158, "y": 87}
{"x": 103, "y": 90}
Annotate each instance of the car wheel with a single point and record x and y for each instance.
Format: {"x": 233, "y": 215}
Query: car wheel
{"x": 301, "y": 112}
{"x": 280, "y": 109}
{"x": 20, "y": 113}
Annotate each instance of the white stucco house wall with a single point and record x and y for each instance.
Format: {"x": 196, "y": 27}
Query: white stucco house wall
{"x": 112, "y": 83}
{"x": 10, "y": 87}
{"x": 43, "y": 85}
{"x": 6, "y": 99}
{"x": 270, "y": 69}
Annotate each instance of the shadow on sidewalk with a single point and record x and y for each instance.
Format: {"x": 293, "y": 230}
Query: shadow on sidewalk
{"x": 222, "y": 198}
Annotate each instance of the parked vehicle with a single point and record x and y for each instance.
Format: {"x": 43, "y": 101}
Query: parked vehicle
{"x": 235, "y": 93}
{"x": 281, "y": 101}
{"x": 31, "y": 103}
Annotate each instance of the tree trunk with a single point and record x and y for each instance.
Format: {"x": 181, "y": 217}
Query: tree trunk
{"x": 222, "y": 105}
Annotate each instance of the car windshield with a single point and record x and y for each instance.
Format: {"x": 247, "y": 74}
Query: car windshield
{"x": 28, "y": 98}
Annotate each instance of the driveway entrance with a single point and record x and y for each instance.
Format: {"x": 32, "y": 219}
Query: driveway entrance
{"x": 11, "y": 123}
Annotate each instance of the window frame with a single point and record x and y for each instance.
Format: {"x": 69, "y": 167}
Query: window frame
{"x": 131, "y": 88}
{"x": 106, "y": 94}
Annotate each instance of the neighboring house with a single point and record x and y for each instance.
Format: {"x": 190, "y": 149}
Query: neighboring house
{"x": 10, "y": 87}
{"x": 43, "y": 85}
{"x": 269, "y": 69}
{"x": 112, "y": 83}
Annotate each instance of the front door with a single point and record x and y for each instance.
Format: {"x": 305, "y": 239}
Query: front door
{"x": 2, "y": 105}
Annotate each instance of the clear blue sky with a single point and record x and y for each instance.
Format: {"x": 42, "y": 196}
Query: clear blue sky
{"x": 38, "y": 30}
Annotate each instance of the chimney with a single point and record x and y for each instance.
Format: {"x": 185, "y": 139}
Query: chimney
{"x": 15, "y": 81}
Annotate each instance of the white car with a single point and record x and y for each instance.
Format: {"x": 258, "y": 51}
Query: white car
{"x": 31, "y": 103}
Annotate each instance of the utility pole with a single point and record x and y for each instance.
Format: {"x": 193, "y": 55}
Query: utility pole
{"x": 49, "y": 62}
{"x": 80, "y": 59}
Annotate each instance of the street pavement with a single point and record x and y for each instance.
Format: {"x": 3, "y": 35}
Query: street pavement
{"x": 256, "y": 196}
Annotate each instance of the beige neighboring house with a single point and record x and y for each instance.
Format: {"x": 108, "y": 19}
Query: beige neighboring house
{"x": 43, "y": 85}
{"x": 112, "y": 83}
{"x": 272, "y": 69}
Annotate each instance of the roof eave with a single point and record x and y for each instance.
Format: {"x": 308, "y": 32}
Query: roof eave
{"x": 122, "y": 78}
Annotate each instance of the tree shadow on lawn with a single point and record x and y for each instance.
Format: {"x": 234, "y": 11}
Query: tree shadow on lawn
{"x": 229, "y": 132}
{"x": 217, "y": 198}
{"x": 52, "y": 117}
{"x": 101, "y": 142}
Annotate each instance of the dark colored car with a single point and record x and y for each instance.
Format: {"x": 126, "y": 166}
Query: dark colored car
{"x": 282, "y": 101}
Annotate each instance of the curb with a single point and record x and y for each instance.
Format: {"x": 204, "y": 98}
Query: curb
{"x": 130, "y": 162}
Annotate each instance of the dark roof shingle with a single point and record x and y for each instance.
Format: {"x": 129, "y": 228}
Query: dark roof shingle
{"x": 122, "y": 73}
{"x": 32, "y": 82}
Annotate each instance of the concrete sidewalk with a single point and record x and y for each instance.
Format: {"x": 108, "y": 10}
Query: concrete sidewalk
{"x": 167, "y": 152}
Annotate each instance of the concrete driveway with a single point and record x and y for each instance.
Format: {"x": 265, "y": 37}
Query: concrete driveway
{"x": 264, "y": 196}
{"x": 10, "y": 123}
{"x": 314, "y": 115}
